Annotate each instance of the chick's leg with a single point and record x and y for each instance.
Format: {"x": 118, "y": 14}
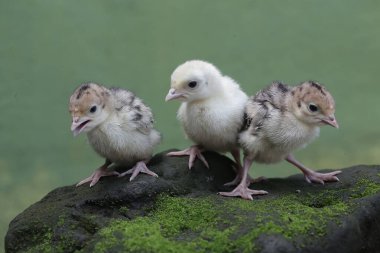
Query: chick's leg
{"x": 139, "y": 167}
{"x": 312, "y": 176}
{"x": 242, "y": 189}
{"x": 101, "y": 172}
{"x": 193, "y": 152}
{"x": 239, "y": 171}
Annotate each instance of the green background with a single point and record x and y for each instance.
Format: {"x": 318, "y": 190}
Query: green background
{"x": 47, "y": 48}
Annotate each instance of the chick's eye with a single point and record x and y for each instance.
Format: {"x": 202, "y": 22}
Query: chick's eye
{"x": 313, "y": 107}
{"x": 192, "y": 84}
{"x": 93, "y": 109}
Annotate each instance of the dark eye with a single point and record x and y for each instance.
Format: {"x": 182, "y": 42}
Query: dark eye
{"x": 192, "y": 84}
{"x": 93, "y": 109}
{"x": 313, "y": 107}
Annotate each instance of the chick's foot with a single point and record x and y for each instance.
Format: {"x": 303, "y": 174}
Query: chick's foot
{"x": 321, "y": 178}
{"x": 94, "y": 178}
{"x": 312, "y": 176}
{"x": 140, "y": 167}
{"x": 244, "y": 192}
{"x": 193, "y": 152}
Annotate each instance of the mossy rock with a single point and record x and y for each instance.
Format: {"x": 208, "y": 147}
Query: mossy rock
{"x": 181, "y": 212}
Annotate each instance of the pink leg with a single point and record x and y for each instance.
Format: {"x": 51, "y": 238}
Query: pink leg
{"x": 193, "y": 152}
{"x": 242, "y": 189}
{"x": 101, "y": 172}
{"x": 239, "y": 171}
{"x": 312, "y": 176}
{"x": 139, "y": 167}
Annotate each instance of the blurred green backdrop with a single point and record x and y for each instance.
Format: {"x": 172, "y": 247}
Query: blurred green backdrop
{"x": 48, "y": 47}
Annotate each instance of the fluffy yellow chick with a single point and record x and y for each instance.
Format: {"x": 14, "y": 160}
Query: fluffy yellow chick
{"x": 119, "y": 127}
{"x": 279, "y": 120}
{"x": 211, "y": 112}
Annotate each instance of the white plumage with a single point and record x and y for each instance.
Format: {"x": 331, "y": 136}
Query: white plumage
{"x": 281, "y": 119}
{"x": 119, "y": 127}
{"x": 212, "y": 108}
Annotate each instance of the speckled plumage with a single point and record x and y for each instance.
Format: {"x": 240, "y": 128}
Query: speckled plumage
{"x": 281, "y": 119}
{"x": 276, "y": 127}
{"x": 120, "y": 129}
{"x": 211, "y": 113}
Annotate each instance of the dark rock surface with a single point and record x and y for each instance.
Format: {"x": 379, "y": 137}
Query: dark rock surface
{"x": 180, "y": 211}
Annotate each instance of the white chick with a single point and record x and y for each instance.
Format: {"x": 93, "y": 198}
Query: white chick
{"x": 119, "y": 127}
{"x": 211, "y": 112}
{"x": 281, "y": 119}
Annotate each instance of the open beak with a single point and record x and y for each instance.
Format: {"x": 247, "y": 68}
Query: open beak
{"x": 331, "y": 121}
{"x": 77, "y": 126}
{"x": 174, "y": 94}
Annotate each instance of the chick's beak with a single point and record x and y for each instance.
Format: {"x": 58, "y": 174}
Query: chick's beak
{"x": 174, "y": 94}
{"x": 331, "y": 121}
{"x": 78, "y": 125}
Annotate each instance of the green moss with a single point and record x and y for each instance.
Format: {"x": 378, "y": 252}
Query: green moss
{"x": 168, "y": 229}
{"x": 124, "y": 210}
{"x": 184, "y": 218}
{"x": 364, "y": 187}
{"x": 61, "y": 221}
{"x": 289, "y": 216}
{"x": 214, "y": 224}
{"x": 181, "y": 214}
{"x": 50, "y": 241}
{"x": 45, "y": 244}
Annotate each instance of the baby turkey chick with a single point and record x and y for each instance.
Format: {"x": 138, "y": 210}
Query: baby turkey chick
{"x": 281, "y": 119}
{"x": 119, "y": 127}
{"x": 211, "y": 112}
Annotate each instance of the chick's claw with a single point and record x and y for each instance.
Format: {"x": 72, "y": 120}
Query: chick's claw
{"x": 193, "y": 152}
{"x": 140, "y": 167}
{"x": 321, "y": 178}
{"x": 94, "y": 178}
{"x": 243, "y": 192}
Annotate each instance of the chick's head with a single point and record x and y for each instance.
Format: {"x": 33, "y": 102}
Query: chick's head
{"x": 193, "y": 81}
{"x": 314, "y": 105}
{"x": 88, "y": 107}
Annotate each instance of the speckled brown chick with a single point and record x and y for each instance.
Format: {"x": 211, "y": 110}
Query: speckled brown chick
{"x": 279, "y": 120}
{"x": 119, "y": 127}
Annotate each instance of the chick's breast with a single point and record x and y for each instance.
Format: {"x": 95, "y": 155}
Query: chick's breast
{"x": 213, "y": 124}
